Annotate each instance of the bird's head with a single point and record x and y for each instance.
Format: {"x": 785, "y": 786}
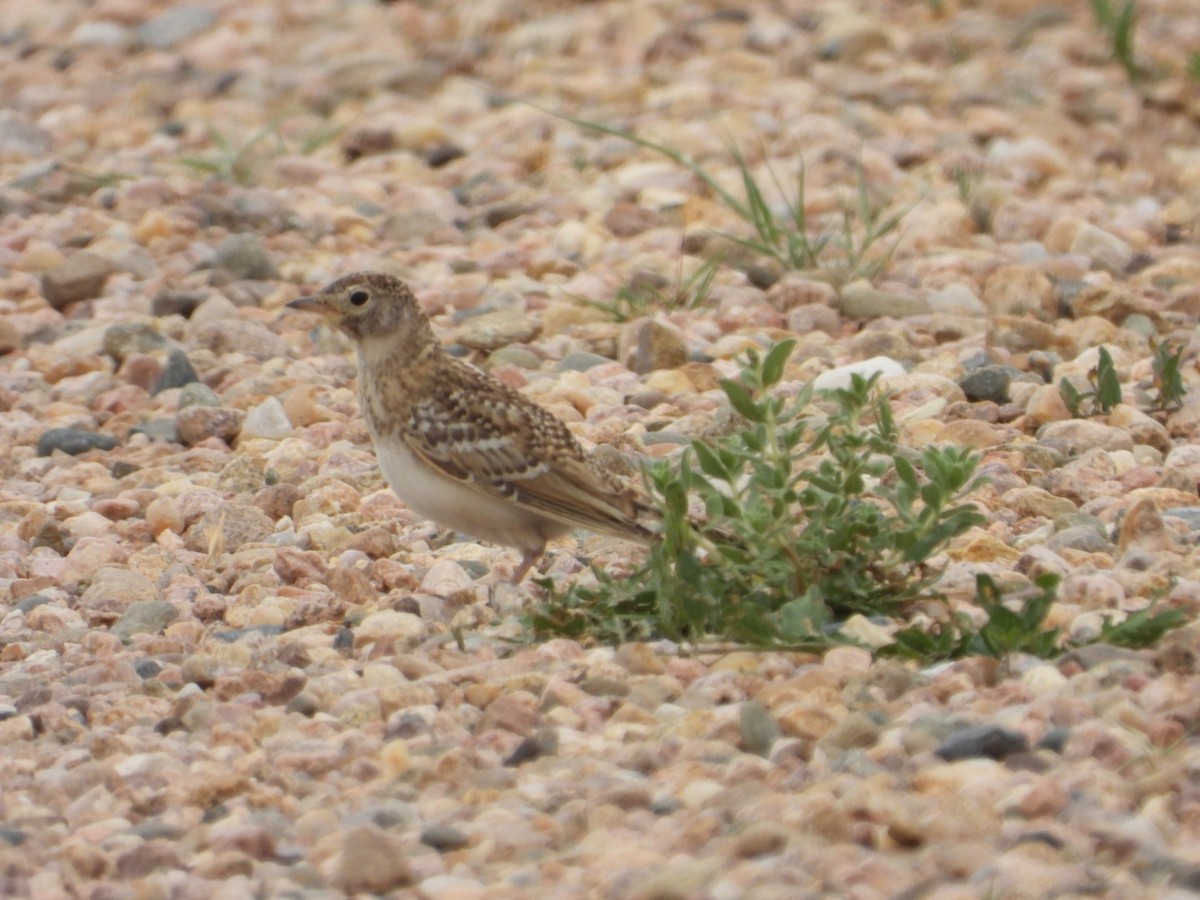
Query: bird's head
{"x": 368, "y": 304}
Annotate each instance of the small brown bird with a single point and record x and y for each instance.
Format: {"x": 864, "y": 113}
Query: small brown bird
{"x": 458, "y": 446}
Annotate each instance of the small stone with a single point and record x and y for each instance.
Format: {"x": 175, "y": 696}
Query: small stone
{"x": 646, "y": 346}
{"x": 581, "y": 361}
{"x": 841, "y": 376}
{"x": 1075, "y": 437}
{"x": 74, "y": 441}
{"x": 957, "y": 300}
{"x": 514, "y": 355}
{"x": 759, "y": 730}
{"x": 1046, "y": 404}
{"x": 855, "y": 731}
{"x": 625, "y": 220}
{"x": 863, "y": 302}
{"x": 848, "y": 37}
{"x": 268, "y": 421}
{"x": 177, "y": 372}
{"x": 195, "y": 423}
{"x": 176, "y": 303}
{"x": 175, "y": 25}
{"x": 21, "y": 137}
{"x": 491, "y": 330}
{"x": 814, "y": 317}
{"x": 987, "y": 383}
{"x": 245, "y": 257}
{"x": 229, "y": 526}
{"x": 162, "y": 429}
{"x": 1141, "y": 427}
{"x": 442, "y": 154}
{"x": 990, "y": 741}
{"x": 144, "y": 617}
{"x": 1018, "y": 289}
{"x": 81, "y": 277}
{"x": 1143, "y": 530}
{"x": 196, "y": 393}
{"x": 124, "y": 338}
{"x": 162, "y": 514}
{"x": 1078, "y": 537}
{"x": 761, "y": 839}
{"x": 232, "y": 334}
{"x": 371, "y": 862}
{"x": 444, "y": 838}
{"x": 388, "y": 625}
{"x": 1103, "y": 248}
{"x": 794, "y": 291}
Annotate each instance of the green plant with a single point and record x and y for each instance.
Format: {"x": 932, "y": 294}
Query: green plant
{"x": 967, "y": 181}
{"x": 808, "y": 518}
{"x": 1193, "y": 65}
{"x": 1022, "y": 629}
{"x": 1105, "y": 390}
{"x": 240, "y": 163}
{"x": 1168, "y": 376}
{"x": 639, "y": 296}
{"x": 1144, "y": 628}
{"x": 1120, "y": 24}
{"x": 850, "y": 249}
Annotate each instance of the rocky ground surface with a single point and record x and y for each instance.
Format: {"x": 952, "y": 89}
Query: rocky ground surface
{"x": 228, "y": 654}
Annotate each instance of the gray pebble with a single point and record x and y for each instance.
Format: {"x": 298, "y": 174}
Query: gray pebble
{"x": 175, "y": 25}
{"x": 976, "y": 741}
{"x": 177, "y": 372}
{"x": 124, "y": 338}
{"x": 144, "y": 617}
{"x": 244, "y": 256}
{"x": 73, "y": 441}
{"x": 443, "y": 838}
{"x": 759, "y": 730}
{"x": 987, "y": 383}
{"x": 164, "y": 430}
{"x": 197, "y": 393}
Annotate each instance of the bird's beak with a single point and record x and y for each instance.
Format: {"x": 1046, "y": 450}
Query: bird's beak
{"x": 311, "y": 303}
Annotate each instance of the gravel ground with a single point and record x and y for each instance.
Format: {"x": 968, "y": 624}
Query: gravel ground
{"x": 227, "y": 655}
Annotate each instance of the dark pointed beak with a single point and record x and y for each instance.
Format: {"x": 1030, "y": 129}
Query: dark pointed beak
{"x": 310, "y": 303}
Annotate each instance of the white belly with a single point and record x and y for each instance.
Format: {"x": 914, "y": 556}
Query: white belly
{"x": 460, "y": 506}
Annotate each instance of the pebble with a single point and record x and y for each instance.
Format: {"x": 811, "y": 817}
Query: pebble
{"x": 1103, "y": 248}
{"x": 861, "y": 301}
{"x": 646, "y": 345}
{"x": 124, "y": 338}
{"x": 492, "y": 330}
{"x": 840, "y": 377}
{"x": 177, "y": 372}
{"x": 81, "y": 277}
{"x": 144, "y": 617}
{"x": 196, "y": 423}
{"x": 986, "y": 383}
{"x": 74, "y": 441}
{"x": 175, "y": 25}
{"x": 989, "y": 741}
{"x": 267, "y": 420}
{"x": 1015, "y": 290}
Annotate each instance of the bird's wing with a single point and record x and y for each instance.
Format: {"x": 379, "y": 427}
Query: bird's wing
{"x": 494, "y": 439}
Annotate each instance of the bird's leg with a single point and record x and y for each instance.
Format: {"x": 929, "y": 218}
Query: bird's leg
{"x": 528, "y": 558}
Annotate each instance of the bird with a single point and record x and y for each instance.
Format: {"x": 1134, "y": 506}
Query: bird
{"x": 459, "y": 447}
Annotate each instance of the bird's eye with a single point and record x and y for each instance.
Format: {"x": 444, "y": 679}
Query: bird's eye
{"x": 359, "y": 298}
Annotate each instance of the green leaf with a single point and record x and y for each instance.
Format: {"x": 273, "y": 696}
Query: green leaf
{"x": 710, "y": 462}
{"x": 776, "y": 359}
{"x": 740, "y": 400}
{"x": 1108, "y": 386}
{"x": 1143, "y": 628}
